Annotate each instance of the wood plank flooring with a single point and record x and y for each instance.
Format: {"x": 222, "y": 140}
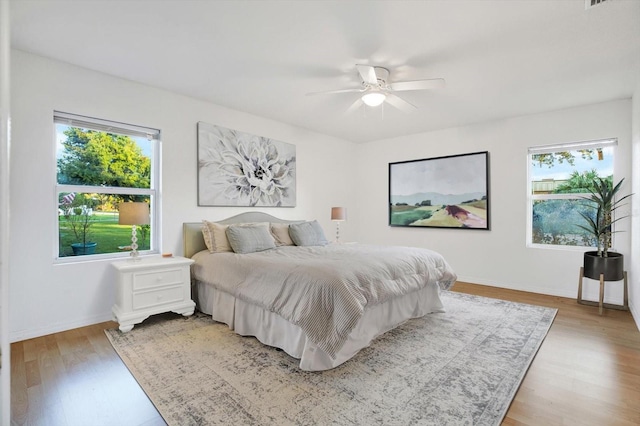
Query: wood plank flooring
{"x": 587, "y": 372}
{"x": 75, "y": 378}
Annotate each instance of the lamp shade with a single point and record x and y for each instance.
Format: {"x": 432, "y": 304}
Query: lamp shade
{"x": 134, "y": 214}
{"x": 338, "y": 213}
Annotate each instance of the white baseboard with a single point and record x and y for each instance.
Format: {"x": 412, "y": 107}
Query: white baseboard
{"x": 551, "y": 291}
{"x": 18, "y": 336}
{"x": 83, "y": 322}
{"x": 531, "y": 289}
{"x": 635, "y": 314}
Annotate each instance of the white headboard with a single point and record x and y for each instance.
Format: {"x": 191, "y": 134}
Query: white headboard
{"x": 193, "y": 242}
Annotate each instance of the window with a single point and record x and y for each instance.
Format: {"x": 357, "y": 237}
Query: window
{"x": 100, "y": 164}
{"x": 559, "y": 178}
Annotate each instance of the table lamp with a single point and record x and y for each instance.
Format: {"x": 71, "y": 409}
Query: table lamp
{"x": 134, "y": 214}
{"x": 338, "y": 214}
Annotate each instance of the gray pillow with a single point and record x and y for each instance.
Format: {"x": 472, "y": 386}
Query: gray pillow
{"x": 250, "y": 238}
{"x": 307, "y": 234}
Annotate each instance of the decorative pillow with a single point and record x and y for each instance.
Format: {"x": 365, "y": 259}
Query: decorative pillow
{"x": 215, "y": 236}
{"x": 307, "y": 234}
{"x": 280, "y": 232}
{"x": 250, "y": 238}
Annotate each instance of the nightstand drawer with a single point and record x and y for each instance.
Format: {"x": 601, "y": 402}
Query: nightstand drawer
{"x": 143, "y": 280}
{"x": 149, "y": 299}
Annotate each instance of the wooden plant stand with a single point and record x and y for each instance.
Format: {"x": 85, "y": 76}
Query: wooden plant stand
{"x": 600, "y": 303}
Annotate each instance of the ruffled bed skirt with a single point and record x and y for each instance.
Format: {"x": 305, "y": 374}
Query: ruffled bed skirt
{"x": 273, "y": 330}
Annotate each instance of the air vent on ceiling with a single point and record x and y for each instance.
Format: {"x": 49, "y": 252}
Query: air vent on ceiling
{"x": 588, "y": 4}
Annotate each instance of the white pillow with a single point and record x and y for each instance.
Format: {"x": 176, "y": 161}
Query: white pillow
{"x": 215, "y": 237}
{"x": 280, "y": 232}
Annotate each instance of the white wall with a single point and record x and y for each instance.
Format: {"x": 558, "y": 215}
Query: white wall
{"x": 5, "y": 347}
{"x": 497, "y": 257}
{"x": 633, "y": 264}
{"x": 48, "y": 297}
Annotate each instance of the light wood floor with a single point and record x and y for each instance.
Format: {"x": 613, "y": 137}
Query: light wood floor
{"x": 587, "y": 372}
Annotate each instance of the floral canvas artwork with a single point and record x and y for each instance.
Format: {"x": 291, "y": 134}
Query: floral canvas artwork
{"x": 240, "y": 169}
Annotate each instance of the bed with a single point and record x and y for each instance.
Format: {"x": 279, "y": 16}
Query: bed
{"x": 320, "y": 304}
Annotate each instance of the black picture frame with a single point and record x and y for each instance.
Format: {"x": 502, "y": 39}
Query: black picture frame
{"x": 441, "y": 192}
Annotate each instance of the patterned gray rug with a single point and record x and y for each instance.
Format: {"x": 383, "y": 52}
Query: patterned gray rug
{"x": 462, "y": 367}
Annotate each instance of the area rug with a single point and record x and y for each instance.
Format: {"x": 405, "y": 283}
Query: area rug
{"x": 460, "y": 367}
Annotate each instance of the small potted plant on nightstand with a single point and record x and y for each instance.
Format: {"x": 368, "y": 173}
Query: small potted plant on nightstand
{"x": 599, "y": 225}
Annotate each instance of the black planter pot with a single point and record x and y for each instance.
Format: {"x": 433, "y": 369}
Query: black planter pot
{"x": 612, "y": 266}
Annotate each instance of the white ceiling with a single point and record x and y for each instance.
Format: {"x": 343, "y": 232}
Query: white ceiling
{"x": 500, "y": 58}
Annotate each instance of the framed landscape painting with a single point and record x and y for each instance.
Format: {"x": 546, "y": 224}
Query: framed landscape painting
{"x": 442, "y": 192}
{"x": 240, "y": 169}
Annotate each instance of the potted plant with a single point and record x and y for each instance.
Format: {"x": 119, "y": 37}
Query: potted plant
{"x": 79, "y": 217}
{"x": 599, "y": 225}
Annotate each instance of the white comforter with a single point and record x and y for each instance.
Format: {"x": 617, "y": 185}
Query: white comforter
{"x": 323, "y": 290}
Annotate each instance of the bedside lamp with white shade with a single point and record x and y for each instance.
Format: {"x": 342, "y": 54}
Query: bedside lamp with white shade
{"x": 338, "y": 214}
{"x": 134, "y": 214}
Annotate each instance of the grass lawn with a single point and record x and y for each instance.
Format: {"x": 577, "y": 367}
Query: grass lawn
{"x": 105, "y": 231}
{"x": 406, "y": 215}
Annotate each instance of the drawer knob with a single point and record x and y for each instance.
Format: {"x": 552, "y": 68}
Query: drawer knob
{"x": 159, "y": 278}
{"x": 159, "y": 297}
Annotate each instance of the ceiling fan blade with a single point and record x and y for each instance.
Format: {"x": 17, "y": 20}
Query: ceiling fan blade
{"x": 367, "y": 73}
{"x": 434, "y": 83}
{"x": 354, "y": 106}
{"x": 399, "y": 103}
{"x": 331, "y": 92}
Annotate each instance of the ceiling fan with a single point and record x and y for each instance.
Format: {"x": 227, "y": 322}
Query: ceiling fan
{"x": 376, "y": 88}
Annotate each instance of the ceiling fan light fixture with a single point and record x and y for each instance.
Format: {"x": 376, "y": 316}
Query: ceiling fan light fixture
{"x": 373, "y": 99}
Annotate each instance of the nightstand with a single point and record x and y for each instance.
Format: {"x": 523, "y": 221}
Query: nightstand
{"x": 151, "y": 285}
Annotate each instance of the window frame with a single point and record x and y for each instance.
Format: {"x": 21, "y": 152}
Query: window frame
{"x": 531, "y": 197}
{"x": 153, "y": 192}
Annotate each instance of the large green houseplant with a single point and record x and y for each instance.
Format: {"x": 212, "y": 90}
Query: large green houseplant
{"x": 599, "y": 225}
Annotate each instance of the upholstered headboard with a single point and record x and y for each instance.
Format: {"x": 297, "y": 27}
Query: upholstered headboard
{"x": 193, "y": 242}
